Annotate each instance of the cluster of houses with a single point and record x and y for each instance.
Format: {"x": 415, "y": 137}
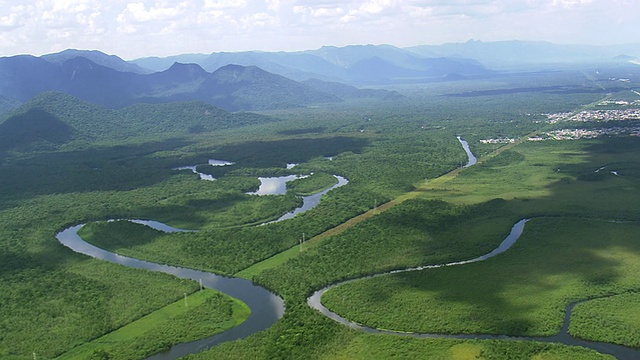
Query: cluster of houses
{"x": 618, "y": 102}
{"x": 498, "y": 141}
{"x": 595, "y": 115}
{"x": 584, "y": 116}
{"x": 575, "y": 134}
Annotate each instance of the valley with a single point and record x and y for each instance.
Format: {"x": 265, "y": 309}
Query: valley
{"x": 371, "y": 181}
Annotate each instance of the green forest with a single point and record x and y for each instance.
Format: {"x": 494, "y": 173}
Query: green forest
{"x": 409, "y": 202}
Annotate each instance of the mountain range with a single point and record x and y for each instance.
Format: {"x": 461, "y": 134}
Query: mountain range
{"x": 343, "y": 64}
{"x": 356, "y": 65}
{"x": 253, "y": 81}
{"x": 96, "y": 78}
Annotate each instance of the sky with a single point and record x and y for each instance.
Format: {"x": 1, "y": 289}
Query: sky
{"x": 134, "y": 29}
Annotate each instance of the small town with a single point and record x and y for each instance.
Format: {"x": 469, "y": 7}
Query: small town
{"x": 576, "y": 134}
{"x": 583, "y": 116}
{"x": 595, "y": 115}
{"x": 592, "y": 116}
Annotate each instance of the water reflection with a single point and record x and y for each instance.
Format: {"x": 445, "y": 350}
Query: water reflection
{"x": 619, "y": 351}
{"x": 472, "y": 158}
{"x": 275, "y": 185}
{"x": 212, "y": 162}
{"x": 266, "y": 307}
{"x": 311, "y": 201}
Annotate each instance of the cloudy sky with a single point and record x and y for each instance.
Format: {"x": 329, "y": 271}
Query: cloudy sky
{"x": 132, "y": 29}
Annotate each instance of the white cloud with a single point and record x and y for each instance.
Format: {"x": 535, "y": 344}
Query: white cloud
{"x": 419, "y": 12}
{"x": 351, "y": 16}
{"x": 205, "y": 17}
{"x": 318, "y": 12}
{"x": 328, "y": 12}
{"x": 223, "y": 4}
{"x": 154, "y": 27}
{"x": 258, "y": 19}
{"x": 138, "y": 13}
{"x": 16, "y": 17}
{"x": 273, "y": 5}
{"x": 570, "y": 3}
{"x": 378, "y": 6}
{"x": 70, "y": 5}
{"x": 299, "y": 9}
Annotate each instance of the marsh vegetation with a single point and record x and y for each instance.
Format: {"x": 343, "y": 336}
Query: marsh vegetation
{"x": 581, "y": 243}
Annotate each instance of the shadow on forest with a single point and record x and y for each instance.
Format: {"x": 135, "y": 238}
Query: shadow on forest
{"x": 557, "y": 258}
{"x": 113, "y": 168}
{"x": 278, "y": 153}
{"x": 33, "y": 127}
{"x": 495, "y": 294}
{"x": 127, "y": 167}
{"x": 15, "y": 261}
{"x": 618, "y": 162}
{"x": 11, "y": 262}
{"x": 188, "y": 212}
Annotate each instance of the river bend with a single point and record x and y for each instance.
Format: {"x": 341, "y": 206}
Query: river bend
{"x": 619, "y": 351}
{"x": 266, "y": 307}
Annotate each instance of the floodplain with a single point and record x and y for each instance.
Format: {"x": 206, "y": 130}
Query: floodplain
{"x": 415, "y": 203}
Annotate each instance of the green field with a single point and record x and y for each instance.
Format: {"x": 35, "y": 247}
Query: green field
{"x": 524, "y": 291}
{"x": 202, "y": 314}
{"x": 611, "y": 319}
{"x": 405, "y": 205}
{"x": 582, "y": 243}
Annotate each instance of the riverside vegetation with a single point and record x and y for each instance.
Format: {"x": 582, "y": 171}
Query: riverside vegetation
{"x": 55, "y": 300}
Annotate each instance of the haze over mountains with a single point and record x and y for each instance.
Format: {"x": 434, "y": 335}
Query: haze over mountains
{"x": 357, "y": 65}
{"x": 336, "y": 63}
{"x": 518, "y": 53}
{"x": 252, "y": 81}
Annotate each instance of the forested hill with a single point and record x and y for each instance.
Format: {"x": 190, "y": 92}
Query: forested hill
{"x": 7, "y": 105}
{"x": 55, "y": 118}
{"x": 236, "y": 87}
{"x": 231, "y": 87}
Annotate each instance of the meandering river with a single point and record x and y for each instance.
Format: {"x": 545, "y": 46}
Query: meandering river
{"x": 620, "y": 352}
{"x": 267, "y": 308}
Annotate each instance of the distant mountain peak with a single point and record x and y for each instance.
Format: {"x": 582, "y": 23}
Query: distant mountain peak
{"x": 233, "y": 67}
{"x": 98, "y": 57}
{"x": 71, "y": 53}
{"x": 190, "y": 69}
{"x": 233, "y": 73}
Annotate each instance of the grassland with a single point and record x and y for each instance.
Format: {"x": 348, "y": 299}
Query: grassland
{"x": 201, "y": 314}
{"x": 524, "y": 291}
{"x": 578, "y": 246}
{"x": 385, "y": 150}
{"x": 555, "y": 196}
{"x": 378, "y": 346}
{"x": 612, "y": 319}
